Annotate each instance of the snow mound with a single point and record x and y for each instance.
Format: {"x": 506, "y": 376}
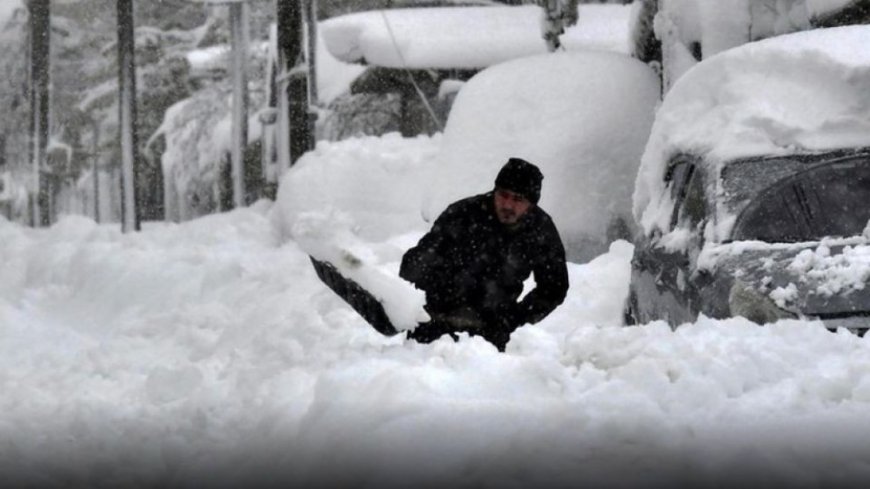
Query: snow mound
{"x": 797, "y": 93}
{"x": 207, "y": 354}
{"x": 582, "y": 117}
{"x": 387, "y": 173}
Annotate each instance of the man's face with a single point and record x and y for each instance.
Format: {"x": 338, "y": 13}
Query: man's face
{"x": 510, "y": 207}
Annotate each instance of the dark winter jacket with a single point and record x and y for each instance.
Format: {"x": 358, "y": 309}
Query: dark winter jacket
{"x": 472, "y": 266}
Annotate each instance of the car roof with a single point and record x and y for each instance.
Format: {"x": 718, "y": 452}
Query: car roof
{"x": 799, "y": 93}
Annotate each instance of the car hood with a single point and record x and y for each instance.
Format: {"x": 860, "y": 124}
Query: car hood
{"x": 824, "y": 280}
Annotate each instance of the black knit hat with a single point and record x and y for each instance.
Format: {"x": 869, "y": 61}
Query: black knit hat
{"x": 522, "y": 177}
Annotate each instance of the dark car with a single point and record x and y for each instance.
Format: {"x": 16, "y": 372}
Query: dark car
{"x": 790, "y": 210}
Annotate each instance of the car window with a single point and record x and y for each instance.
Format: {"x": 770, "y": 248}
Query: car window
{"x": 676, "y": 178}
{"x": 826, "y": 200}
{"x": 693, "y": 208}
{"x": 687, "y": 192}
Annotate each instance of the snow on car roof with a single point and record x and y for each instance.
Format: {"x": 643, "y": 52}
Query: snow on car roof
{"x": 465, "y": 37}
{"x": 798, "y": 93}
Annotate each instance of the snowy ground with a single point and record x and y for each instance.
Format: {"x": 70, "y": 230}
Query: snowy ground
{"x": 208, "y": 354}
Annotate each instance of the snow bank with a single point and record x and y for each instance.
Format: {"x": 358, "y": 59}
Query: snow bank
{"x": 387, "y": 173}
{"x": 801, "y": 92}
{"x": 465, "y": 37}
{"x": 582, "y": 117}
{"x": 207, "y": 354}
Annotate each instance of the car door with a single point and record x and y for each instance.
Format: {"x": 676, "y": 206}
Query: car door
{"x": 664, "y": 282}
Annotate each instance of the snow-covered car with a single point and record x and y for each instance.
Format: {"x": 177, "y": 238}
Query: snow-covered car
{"x": 753, "y": 195}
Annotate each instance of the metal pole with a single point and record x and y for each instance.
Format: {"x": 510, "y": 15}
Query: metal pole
{"x": 40, "y": 35}
{"x": 96, "y": 169}
{"x": 130, "y": 220}
{"x": 239, "y": 26}
{"x": 311, "y": 54}
{"x": 289, "y": 19}
{"x": 311, "y": 24}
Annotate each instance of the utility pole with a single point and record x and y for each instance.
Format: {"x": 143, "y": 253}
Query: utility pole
{"x": 293, "y": 120}
{"x": 130, "y": 217}
{"x": 311, "y": 59}
{"x": 288, "y": 15}
{"x": 239, "y": 13}
{"x": 40, "y": 36}
{"x": 95, "y": 168}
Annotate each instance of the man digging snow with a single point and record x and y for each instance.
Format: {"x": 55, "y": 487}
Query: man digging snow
{"x": 474, "y": 260}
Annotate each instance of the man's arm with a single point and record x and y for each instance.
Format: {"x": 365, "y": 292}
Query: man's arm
{"x": 551, "y": 279}
{"x": 425, "y": 262}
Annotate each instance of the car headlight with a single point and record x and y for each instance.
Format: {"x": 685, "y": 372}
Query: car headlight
{"x": 745, "y": 301}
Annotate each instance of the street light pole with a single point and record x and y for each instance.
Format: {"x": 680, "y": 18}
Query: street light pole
{"x": 40, "y": 35}
{"x": 95, "y": 168}
{"x": 311, "y": 59}
{"x": 130, "y": 216}
{"x": 311, "y": 54}
{"x": 239, "y": 26}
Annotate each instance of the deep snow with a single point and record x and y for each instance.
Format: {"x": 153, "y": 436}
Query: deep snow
{"x": 209, "y": 353}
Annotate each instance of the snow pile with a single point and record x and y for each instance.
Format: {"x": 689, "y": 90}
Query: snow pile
{"x": 206, "y": 354}
{"x": 703, "y": 28}
{"x": 465, "y": 37}
{"x": 800, "y": 92}
{"x": 582, "y": 117}
{"x": 718, "y": 26}
{"x": 838, "y": 274}
{"x": 386, "y": 173}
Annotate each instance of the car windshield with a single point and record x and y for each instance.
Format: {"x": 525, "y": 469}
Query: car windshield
{"x": 827, "y": 199}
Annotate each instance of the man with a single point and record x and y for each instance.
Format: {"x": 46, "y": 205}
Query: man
{"x": 474, "y": 260}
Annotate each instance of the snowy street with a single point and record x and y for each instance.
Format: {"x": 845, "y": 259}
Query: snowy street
{"x": 209, "y": 353}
